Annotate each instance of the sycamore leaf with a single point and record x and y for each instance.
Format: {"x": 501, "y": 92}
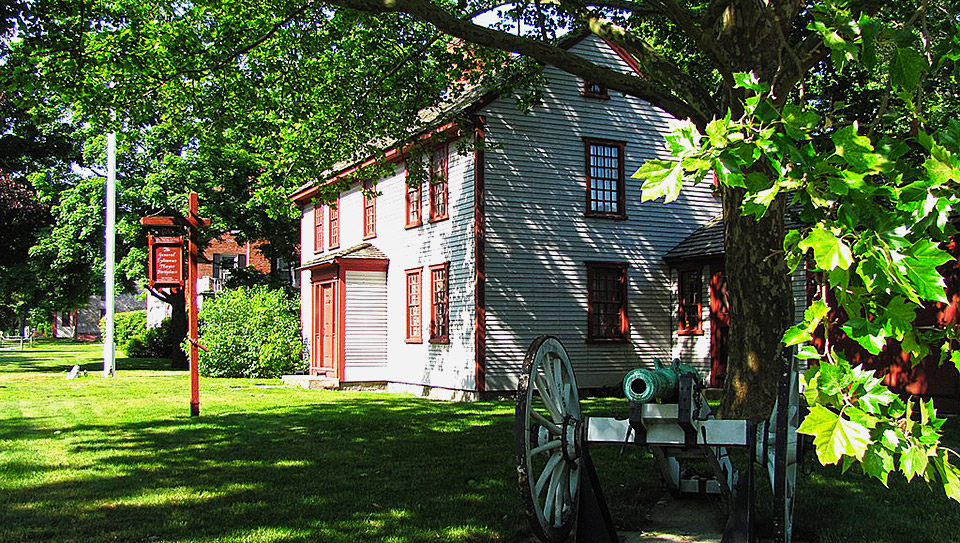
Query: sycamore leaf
{"x": 662, "y": 178}
{"x": 869, "y": 335}
{"x": 906, "y": 65}
{"x": 829, "y": 251}
{"x": 949, "y": 475}
{"x": 913, "y": 461}
{"x": 920, "y": 268}
{"x": 856, "y": 150}
{"x": 955, "y": 358}
{"x": 796, "y": 335}
{"x": 684, "y": 138}
{"x": 878, "y": 463}
{"x": 834, "y": 436}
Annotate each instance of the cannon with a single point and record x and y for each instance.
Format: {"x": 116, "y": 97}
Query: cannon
{"x": 670, "y": 416}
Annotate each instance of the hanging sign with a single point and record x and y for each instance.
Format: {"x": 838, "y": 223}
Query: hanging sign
{"x": 166, "y": 261}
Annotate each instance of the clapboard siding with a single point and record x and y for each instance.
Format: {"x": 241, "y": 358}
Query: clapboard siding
{"x": 692, "y": 349}
{"x": 538, "y": 238}
{"x": 451, "y": 241}
{"x": 365, "y": 327}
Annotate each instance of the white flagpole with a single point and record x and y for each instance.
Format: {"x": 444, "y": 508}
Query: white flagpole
{"x": 109, "y": 352}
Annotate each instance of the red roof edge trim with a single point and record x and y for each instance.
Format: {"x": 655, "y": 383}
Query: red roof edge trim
{"x": 392, "y": 155}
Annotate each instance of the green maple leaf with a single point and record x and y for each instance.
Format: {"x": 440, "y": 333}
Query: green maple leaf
{"x": 913, "y": 461}
{"x": 949, "y": 475}
{"x": 955, "y": 358}
{"x": 856, "y": 150}
{"x": 869, "y": 335}
{"x": 906, "y": 65}
{"x": 878, "y": 463}
{"x": 829, "y": 251}
{"x": 662, "y": 178}
{"x": 684, "y": 139}
{"x": 920, "y": 268}
{"x": 834, "y": 436}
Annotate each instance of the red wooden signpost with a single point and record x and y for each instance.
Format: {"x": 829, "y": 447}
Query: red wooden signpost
{"x": 166, "y": 258}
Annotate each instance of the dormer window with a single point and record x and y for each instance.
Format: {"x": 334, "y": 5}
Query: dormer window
{"x": 595, "y": 90}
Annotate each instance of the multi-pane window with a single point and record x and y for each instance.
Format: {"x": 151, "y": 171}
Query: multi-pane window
{"x": 439, "y": 188}
{"x": 414, "y": 306}
{"x": 413, "y": 206}
{"x": 690, "y": 301}
{"x": 318, "y": 229}
{"x": 607, "y": 301}
{"x": 223, "y": 265}
{"x": 595, "y": 90}
{"x": 369, "y": 216}
{"x": 605, "y": 183}
{"x": 439, "y": 304}
{"x": 333, "y": 223}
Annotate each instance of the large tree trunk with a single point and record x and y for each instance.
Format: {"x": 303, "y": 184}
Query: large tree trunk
{"x": 761, "y": 303}
{"x": 761, "y": 308}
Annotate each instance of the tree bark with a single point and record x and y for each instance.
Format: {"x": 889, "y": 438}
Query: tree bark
{"x": 178, "y": 329}
{"x": 761, "y": 307}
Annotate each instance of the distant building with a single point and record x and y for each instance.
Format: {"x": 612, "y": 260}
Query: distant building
{"x": 84, "y": 324}
{"x": 221, "y": 256}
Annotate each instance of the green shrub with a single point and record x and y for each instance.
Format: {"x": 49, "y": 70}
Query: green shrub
{"x": 126, "y": 326}
{"x": 152, "y": 343}
{"x": 250, "y": 332}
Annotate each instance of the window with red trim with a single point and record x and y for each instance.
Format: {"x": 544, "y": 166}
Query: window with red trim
{"x": 413, "y": 199}
{"x": 439, "y": 304}
{"x": 605, "y": 181}
{"x": 369, "y": 216}
{"x": 439, "y": 187}
{"x": 318, "y": 229}
{"x": 333, "y": 223}
{"x": 607, "y": 301}
{"x": 595, "y": 90}
{"x": 690, "y": 301}
{"x": 414, "y": 306}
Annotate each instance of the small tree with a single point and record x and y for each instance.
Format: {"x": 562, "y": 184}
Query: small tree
{"x": 250, "y": 332}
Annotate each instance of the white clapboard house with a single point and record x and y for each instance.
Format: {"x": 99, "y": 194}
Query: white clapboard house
{"x": 439, "y": 289}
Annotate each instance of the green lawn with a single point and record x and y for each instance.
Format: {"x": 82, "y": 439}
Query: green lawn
{"x": 98, "y": 460}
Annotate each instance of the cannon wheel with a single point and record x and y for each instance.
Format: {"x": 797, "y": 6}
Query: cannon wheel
{"x": 548, "y": 427}
{"x": 783, "y": 451}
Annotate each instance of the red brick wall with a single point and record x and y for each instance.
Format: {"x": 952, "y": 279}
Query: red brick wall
{"x": 226, "y": 244}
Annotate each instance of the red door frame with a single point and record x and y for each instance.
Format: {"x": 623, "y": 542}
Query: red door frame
{"x": 317, "y": 318}
{"x": 719, "y": 325}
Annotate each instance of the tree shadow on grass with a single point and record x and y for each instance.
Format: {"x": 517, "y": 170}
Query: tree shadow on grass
{"x": 368, "y": 470}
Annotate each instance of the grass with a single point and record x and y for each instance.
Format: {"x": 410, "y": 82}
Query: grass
{"x": 98, "y": 460}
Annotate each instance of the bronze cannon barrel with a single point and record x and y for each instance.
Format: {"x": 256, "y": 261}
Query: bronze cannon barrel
{"x": 643, "y": 385}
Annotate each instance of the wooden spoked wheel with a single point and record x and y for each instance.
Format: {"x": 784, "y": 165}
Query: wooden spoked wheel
{"x": 782, "y": 452}
{"x": 548, "y": 439}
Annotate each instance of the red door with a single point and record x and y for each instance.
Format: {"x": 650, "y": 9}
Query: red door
{"x": 325, "y": 341}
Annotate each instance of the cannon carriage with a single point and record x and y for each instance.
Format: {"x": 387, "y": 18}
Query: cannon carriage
{"x": 670, "y": 416}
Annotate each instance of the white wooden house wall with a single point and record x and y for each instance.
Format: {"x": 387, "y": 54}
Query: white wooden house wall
{"x": 448, "y": 366}
{"x": 692, "y": 349}
{"x": 538, "y": 237}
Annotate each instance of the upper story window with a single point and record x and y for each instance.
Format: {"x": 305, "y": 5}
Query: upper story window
{"x": 605, "y": 182}
{"x": 318, "y": 229}
{"x": 414, "y": 306}
{"x": 690, "y": 301}
{"x": 440, "y": 303}
{"x": 369, "y": 216}
{"x": 439, "y": 187}
{"x": 333, "y": 223}
{"x": 413, "y": 209}
{"x": 595, "y": 90}
{"x": 224, "y": 264}
{"x": 607, "y": 301}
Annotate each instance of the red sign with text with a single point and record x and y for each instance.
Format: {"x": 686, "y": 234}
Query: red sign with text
{"x": 166, "y": 261}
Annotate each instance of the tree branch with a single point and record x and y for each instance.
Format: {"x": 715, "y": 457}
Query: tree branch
{"x": 633, "y": 85}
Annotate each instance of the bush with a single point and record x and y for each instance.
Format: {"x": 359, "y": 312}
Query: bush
{"x": 126, "y": 326}
{"x": 153, "y": 343}
{"x": 250, "y": 332}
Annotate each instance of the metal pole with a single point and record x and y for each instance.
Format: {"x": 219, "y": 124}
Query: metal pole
{"x": 109, "y": 352}
{"x": 193, "y": 254}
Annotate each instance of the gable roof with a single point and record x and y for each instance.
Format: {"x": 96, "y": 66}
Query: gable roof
{"x": 437, "y": 120}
